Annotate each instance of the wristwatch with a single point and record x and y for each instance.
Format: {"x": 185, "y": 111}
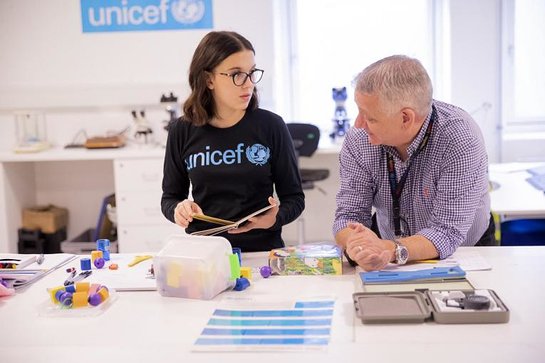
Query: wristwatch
{"x": 401, "y": 253}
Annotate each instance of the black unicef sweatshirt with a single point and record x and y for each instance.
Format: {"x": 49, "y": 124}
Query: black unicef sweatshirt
{"x": 232, "y": 172}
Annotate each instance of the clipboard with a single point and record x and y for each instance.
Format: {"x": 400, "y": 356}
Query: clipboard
{"x": 427, "y": 275}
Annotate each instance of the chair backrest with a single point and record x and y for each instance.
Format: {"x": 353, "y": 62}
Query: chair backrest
{"x": 305, "y": 138}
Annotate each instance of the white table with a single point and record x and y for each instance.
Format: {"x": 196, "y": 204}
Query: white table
{"x": 513, "y": 197}
{"x": 146, "y": 327}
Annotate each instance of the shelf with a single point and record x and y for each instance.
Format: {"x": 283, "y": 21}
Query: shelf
{"x": 61, "y": 154}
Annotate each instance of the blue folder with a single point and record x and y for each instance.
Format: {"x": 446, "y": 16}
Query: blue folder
{"x": 432, "y": 274}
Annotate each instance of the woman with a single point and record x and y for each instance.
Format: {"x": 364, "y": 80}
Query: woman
{"x": 232, "y": 152}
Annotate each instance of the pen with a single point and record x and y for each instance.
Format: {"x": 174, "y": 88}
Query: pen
{"x": 138, "y": 259}
{"x": 81, "y": 276}
{"x": 17, "y": 263}
{"x": 426, "y": 261}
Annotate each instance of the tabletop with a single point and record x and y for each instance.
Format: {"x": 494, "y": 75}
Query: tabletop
{"x": 147, "y": 327}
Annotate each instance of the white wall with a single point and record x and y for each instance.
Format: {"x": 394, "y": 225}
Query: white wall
{"x": 92, "y": 81}
{"x": 47, "y": 62}
{"x": 475, "y": 65}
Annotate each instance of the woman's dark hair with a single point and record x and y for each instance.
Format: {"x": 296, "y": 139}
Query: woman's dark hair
{"x": 199, "y": 108}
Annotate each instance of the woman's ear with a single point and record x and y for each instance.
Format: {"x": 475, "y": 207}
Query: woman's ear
{"x": 209, "y": 80}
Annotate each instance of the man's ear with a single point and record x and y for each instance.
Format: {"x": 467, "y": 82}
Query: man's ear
{"x": 408, "y": 116}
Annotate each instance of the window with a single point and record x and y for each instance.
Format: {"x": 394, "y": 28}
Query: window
{"x": 333, "y": 40}
{"x": 523, "y": 57}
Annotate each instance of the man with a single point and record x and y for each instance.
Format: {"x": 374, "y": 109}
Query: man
{"x": 420, "y": 163}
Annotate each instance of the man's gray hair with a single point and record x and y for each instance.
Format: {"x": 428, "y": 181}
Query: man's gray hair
{"x": 399, "y": 81}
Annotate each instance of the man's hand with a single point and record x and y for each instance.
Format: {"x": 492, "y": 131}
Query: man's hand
{"x": 366, "y": 249}
{"x": 264, "y": 221}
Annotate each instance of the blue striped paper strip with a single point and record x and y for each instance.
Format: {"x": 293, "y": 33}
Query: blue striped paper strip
{"x": 264, "y": 322}
{"x": 314, "y": 304}
{"x": 236, "y": 332}
{"x": 265, "y": 341}
{"x": 273, "y": 313}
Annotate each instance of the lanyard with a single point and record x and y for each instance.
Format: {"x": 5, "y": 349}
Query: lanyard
{"x": 397, "y": 188}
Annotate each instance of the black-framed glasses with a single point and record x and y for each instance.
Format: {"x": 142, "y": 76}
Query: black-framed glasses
{"x": 239, "y": 78}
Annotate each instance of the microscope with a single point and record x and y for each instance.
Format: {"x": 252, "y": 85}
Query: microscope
{"x": 143, "y": 130}
{"x": 170, "y": 103}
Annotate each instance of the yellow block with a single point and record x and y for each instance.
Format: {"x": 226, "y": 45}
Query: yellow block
{"x": 95, "y": 255}
{"x": 174, "y": 271}
{"x": 104, "y": 293}
{"x": 82, "y": 287}
{"x": 52, "y": 293}
{"x": 79, "y": 299}
{"x": 246, "y": 272}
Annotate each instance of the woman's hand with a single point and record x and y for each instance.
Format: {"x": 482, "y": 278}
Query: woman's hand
{"x": 264, "y": 221}
{"x": 184, "y": 211}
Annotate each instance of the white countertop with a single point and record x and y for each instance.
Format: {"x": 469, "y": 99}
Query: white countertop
{"x": 512, "y": 195}
{"x": 146, "y": 327}
{"x": 128, "y": 152}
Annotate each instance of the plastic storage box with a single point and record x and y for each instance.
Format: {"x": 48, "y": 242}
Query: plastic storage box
{"x": 193, "y": 267}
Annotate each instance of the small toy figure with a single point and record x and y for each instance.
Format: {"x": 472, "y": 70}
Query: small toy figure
{"x": 341, "y": 123}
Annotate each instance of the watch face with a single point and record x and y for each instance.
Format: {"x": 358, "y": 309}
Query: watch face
{"x": 402, "y": 255}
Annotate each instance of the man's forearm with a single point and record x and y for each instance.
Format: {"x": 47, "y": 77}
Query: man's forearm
{"x": 420, "y": 248}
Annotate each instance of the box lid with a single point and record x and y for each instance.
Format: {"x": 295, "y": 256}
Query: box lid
{"x": 391, "y": 307}
{"x": 195, "y": 247}
{"x": 443, "y": 306}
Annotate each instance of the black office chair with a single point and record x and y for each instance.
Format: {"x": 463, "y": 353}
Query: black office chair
{"x": 305, "y": 141}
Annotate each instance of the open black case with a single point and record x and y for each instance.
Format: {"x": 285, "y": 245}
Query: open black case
{"x": 443, "y": 306}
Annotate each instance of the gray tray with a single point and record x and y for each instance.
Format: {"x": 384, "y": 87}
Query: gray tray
{"x": 418, "y": 306}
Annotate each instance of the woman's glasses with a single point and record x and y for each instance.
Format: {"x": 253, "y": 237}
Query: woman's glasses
{"x": 239, "y": 78}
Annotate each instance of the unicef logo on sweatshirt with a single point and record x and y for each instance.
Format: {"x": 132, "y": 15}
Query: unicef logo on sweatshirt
{"x": 258, "y": 154}
{"x": 145, "y": 15}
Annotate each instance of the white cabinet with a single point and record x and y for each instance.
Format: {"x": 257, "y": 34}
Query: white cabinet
{"x": 140, "y": 224}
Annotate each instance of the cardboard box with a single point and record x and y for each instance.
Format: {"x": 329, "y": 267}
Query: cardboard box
{"x": 194, "y": 267}
{"x": 307, "y": 259}
{"x": 48, "y": 219}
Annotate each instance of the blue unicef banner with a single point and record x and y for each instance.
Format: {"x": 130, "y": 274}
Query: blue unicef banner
{"x": 145, "y": 15}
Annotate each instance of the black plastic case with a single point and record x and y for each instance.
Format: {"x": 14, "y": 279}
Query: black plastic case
{"x": 417, "y": 307}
